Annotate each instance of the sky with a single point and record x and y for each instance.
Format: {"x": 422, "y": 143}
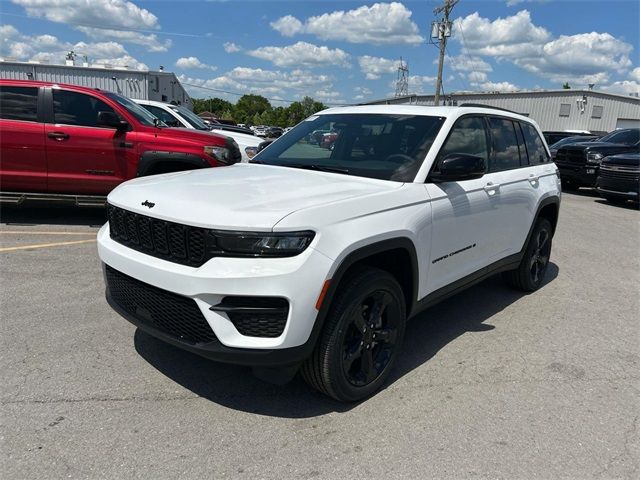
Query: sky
{"x": 337, "y": 52}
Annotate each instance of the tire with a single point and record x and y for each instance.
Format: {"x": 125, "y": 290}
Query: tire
{"x": 529, "y": 275}
{"x": 350, "y": 361}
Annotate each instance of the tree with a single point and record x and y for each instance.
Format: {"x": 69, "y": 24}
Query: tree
{"x": 566, "y": 86}
{"x": 249, "y": 105}
{"x": 213, "y": 105}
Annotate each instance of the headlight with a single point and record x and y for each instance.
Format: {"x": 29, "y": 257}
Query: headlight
{"x": 252, "y": 244}
{"x": 251, "y": 151}
{"x": 219, "y": 153}
{"x": 594, "y": 157}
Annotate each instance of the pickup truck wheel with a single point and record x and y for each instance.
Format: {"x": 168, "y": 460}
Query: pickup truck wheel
{"x": 529, "y": 275}
{"x": 361, "y": 338}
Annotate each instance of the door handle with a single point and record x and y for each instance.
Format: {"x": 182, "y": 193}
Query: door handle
{"x": 59, "y": 136}
{"x": 491, "y": 188}
{"x": 533, "y": 178}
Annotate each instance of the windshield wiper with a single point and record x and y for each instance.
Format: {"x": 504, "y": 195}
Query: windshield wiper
{"x": 319, "y": 168}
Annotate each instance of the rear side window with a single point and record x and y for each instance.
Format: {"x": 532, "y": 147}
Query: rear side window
{"x": 467, "y": 136}
{"x": 19, "y": 103}
{"x": 506, "y": 154}
{"x": 535, "y": 146}
{"x": 73, "y": 108}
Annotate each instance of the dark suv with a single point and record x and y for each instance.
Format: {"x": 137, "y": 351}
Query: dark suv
{"x": 65, "y": 142}
{"x": 619, "y": 178}
{"x": 579, "y": 162}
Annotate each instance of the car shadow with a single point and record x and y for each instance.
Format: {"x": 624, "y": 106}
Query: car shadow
{"x": 582, "y": 192}
{"x": 37, "y": 214}
{"x": 627, "y": 205}
{"x": 235, "y": 387}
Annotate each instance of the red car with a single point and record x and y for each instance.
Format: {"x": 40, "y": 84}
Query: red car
{"x": 78, "y": 143}
{"x": 328, "y": 139}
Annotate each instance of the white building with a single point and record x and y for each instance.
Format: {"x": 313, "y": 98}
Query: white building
{"x": 146, "y": 85}
{"x": 591, "y": 110}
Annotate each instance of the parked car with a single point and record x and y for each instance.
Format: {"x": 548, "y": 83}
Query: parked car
{"x": 311, "y": 262}
{"x": 619, "y": 178}
{"x": 315, "y": 137}
{"x": 328, "y": 139}
{"x": 579, "y": 162}
{"x": 288, "y": 129}
{"x": 181, "y": 117}
{"x": 569, "y": 140}
{"x": 274, "y": 132}
{"x": 73, "y": 143}
{"x": 260, "y": 130}
{"x": 555, "y": 136}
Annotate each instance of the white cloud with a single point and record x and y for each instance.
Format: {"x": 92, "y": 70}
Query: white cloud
{"x": 193, "y": 62}
{"x": 418, "y": 83}
{"x": 497, "y": 87}
{"x": 381, "y": 23}
{"x": 465, "y": 63}
{"x": 231, "y": 47}
{"x": 511, "y": 3}
{"x": 509, "y": 37}
{"x": 623, "y": 87}
{"x": 270, "y": 83}
{"x": 579, "y": 59}
{"x": 635, "y": 74}
{"x": 477, "y": 77}
{"x": 47, "y": 48}
{"x": 301, "y": 54}
{"x": 374, "y": 67}
{"x": 119, "y": 20}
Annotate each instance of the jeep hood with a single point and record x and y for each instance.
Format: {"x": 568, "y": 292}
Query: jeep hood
{"x": 241, "y": 196}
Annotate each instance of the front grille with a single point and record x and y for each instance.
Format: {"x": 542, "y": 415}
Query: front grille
{"x": 173, "y": 314}
{"x": 619, "y": 172}
{"x": 170, "y": 241}
{"x": 256, "y": 316}
{"x": 575, "y": 157}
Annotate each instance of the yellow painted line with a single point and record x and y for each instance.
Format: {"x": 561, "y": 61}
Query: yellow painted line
{"x": 45, "y": 245}
{"x": 26, "y": 232}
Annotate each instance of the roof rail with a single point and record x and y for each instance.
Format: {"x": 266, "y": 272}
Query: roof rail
{"x": 480, "y": 105}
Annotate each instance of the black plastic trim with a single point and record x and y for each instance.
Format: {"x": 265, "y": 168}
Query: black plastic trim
{"x": 152, "y": 158}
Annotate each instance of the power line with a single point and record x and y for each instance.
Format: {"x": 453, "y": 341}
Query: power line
{"x": 239, "y": 94}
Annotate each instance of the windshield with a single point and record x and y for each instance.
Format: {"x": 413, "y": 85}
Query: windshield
{"x": 388, "y": 147}
{"x": 626, "y": 137}
{"x": 142, "y": 115}
{"x": 195, "y": 121}
{"x": 576, "y": 139}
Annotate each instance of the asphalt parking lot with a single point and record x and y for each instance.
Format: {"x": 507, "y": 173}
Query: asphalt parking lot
{"x": 492, "y": 383}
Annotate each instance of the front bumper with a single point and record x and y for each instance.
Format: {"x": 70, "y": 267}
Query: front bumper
{"x": 623, "y": 188}
{"x": 297, "y": 279}
{"x": 583, "y": 175}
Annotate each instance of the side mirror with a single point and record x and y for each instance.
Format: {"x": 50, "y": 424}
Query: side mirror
{"x": 111, "y": 120}
{"x": 456, "y": 167}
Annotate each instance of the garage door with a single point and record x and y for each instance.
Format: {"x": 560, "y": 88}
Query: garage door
{"x": 627, "y": 123}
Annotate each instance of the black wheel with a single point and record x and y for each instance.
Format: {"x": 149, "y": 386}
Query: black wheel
{"x": 530, "y": 273}
{"x": 361, "y": 337}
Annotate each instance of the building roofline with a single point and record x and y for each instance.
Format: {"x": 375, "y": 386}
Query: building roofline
{"x": 521, "y": 92}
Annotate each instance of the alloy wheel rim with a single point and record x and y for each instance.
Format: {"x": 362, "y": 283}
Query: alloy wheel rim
{"x": 370, "y": 338}
{"x": 540, "y": 256}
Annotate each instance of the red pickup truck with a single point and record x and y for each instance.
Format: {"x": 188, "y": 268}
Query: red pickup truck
{"x": 65, "y": 142}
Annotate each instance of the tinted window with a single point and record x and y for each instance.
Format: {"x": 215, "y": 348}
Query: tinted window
{"x": 191, "y": 117}
{"x": 535, "y": 146}
{"x": 467, "y": 136}
{"x": 19, "y": 103}
{"x": 389, "y": 147}
{"x": 73, "y": 108}
{"x": 505, "y": 151}
{"x": 163, "y": 115}
{"x": 627, "y": 137}
{"x": 142, "y": 115}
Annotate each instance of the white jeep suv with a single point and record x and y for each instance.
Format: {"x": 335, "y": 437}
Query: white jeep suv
{"x": 313, "y": 259}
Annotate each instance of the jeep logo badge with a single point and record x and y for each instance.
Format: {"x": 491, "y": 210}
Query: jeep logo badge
{"x": 147, "y": 203}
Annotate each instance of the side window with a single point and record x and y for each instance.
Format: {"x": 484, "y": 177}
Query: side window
{"x": 19, "y": 103}
{"x": 535, "y": 147}
{"x": 524, "y": 160}
{"x": 467, "y": 136}
{"x": 505, "y": 152}
{"x": 163, "y": 115}
{"x": 73, "y": 108}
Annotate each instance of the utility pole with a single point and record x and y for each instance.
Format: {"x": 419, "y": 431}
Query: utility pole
{"x": 441, "y": 30}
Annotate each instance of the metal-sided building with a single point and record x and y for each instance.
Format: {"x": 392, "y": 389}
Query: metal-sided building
{"x": 589, "y": 110}
{"x": 145, "y": 85}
